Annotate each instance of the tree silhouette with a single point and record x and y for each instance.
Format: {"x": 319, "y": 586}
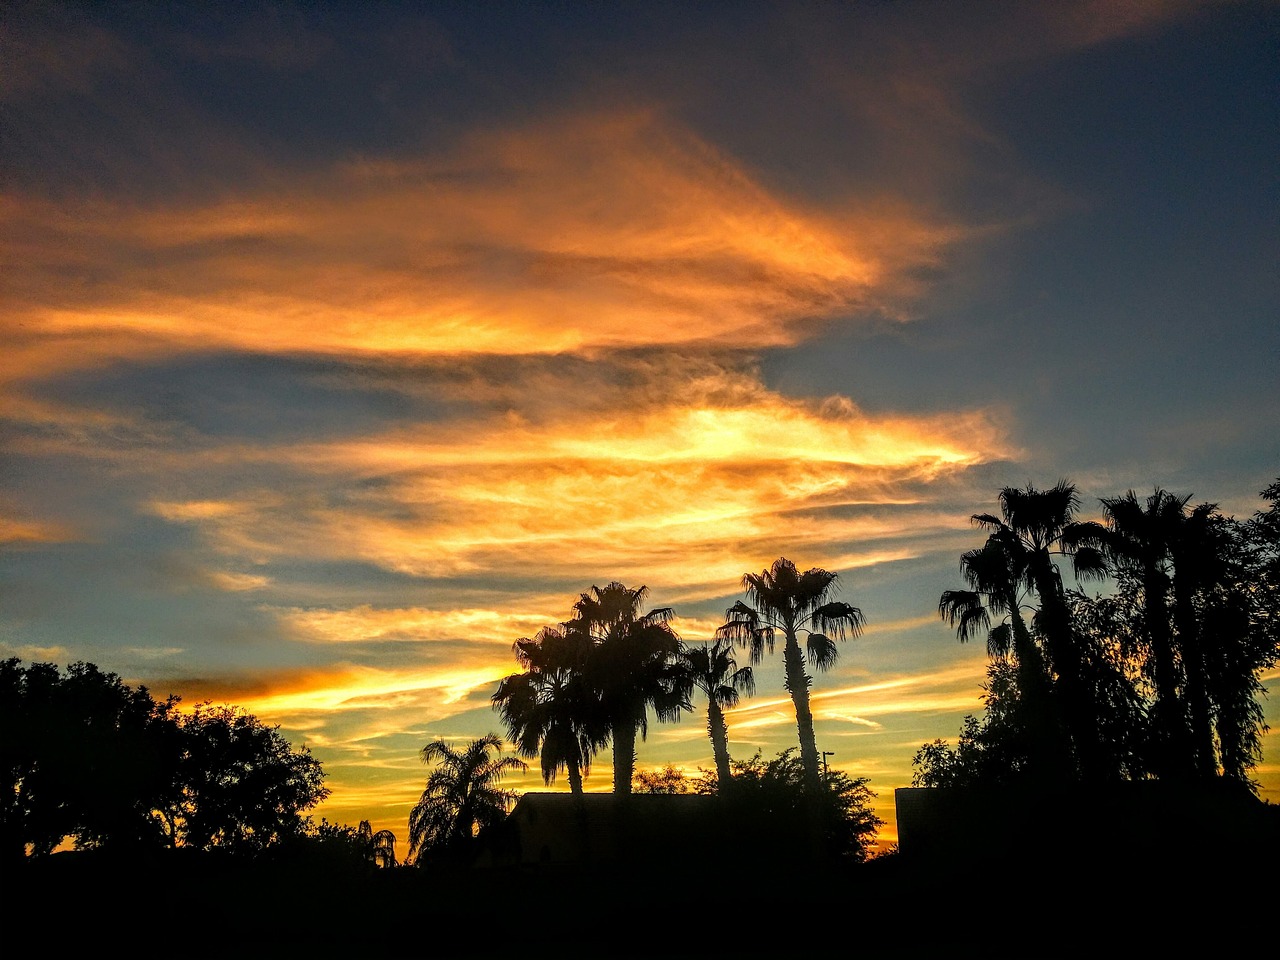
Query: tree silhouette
{"x": 1140, "y": 539}
{"x": 668, "y": 780}
{"x": 713, "y": 670}
{"x": 89, "y": 758}
{"x": 633, "y": 667}
{"x": 549, "y": 710}
{"x": 462, "y": 797}
{"x": 773, "y": 802}
{"x": 384, "y": 848}
{"x": 84, "y": 756}
{"x": 1169, "y": 664}
{"x": 783, "y": 600}
{"x": 1034, "y": 526}
{"x": 997, "y": 579}
{"x": 1241, "y": 631}
{"x": 243, "y": 787}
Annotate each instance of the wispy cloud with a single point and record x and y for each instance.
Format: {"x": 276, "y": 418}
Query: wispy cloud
{"x": 569, "y": 234}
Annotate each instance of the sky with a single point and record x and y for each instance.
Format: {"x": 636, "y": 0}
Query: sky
{"x": 344, "y": 345}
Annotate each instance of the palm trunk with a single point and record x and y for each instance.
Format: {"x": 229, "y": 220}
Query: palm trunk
{"x": 575, "y": 777}
{"x": 719, "y": 733}
{"x": 1171, "y": 721}
{"x": 797, "y": 684}
{"x": 1079, "y": 707}
{"x": 1193, "y": 662}
{"x": 624, "y": 757}
{"x": 1052, "y": 751}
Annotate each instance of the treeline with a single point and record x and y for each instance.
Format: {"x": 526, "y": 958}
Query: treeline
{"x": 90, "y": 760}
{"x": 1158, "y": 677}
{"x": 593, "y": 682}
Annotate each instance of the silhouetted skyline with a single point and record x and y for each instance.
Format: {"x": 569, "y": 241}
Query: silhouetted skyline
{"x": 346, "y": 345}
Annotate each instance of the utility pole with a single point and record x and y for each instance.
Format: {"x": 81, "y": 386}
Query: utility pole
{"x": 825, "y": 754}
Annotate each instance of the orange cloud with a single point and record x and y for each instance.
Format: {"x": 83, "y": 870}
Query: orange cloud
{"x": 497, "y": 247}
{"x": 365, "y": 623}
{"x": 312, "y": 699}
{"x": 14, "y": 530}
{"x": 678, "y": 495}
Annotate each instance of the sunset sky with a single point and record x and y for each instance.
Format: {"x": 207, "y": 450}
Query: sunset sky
{"x": 345, "y": 345}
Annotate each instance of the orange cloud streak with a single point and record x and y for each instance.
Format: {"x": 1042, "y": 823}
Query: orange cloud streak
{"x": 416, "y": 258}
{"x": 679, "y": 495}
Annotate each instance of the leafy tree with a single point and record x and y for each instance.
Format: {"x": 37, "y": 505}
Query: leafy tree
{"x": 713, "y": 670}
{"x": 1109, "y": 633}
{"x": 359, "y": 844}
{"x": 668, "y": 780}
{"x": 83, "y": 755}
{"x": 462, "y": 797}
{"x": 783, "y": 601}
{"x": 1239, "y": 608}
{"x": 89, "y": 758}
{"x": 993, "y": 750}
{"x": 774, "y": 801}
{"x": 243, "y": 787}
{"x": 634, "y": 665}
{"x": 549, "y": 709}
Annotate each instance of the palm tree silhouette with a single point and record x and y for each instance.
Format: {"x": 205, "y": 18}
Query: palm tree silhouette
{"x": 549, "y": 710}
{"x": 997, "y": 577}
{"x": 1033, "y": 527}
{"x": 1141, "y": 537}
{"x": 384, "y": 848}
{"x": 783, "y": 600}
{"x": 713, "y": 670}
{"x": 1202, "y": 669}
{"x": 462, "y": 796}
{"x": 633, "y": 666}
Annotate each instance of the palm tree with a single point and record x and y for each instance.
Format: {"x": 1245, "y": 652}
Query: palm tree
{"x": 1034, "y": 526}
{"x": 1139, "y": 538}
{"x": 996, "y": 577}
{"x": 713, "y": 670}
{"x": 549, "y": 710}
{"x": 633, "y": 665}
{"x": 384, "y": 848}
{"x": 380, "y": 847}
{"x": 783, "y": 600}
{"x": 462, "y": 795}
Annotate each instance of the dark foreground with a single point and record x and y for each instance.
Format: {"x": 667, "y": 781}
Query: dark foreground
{"x": 1135, "y": 900}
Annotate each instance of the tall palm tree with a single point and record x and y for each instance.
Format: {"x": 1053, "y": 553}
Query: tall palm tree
{"x": 783, "y": 601}
{"x": 713, "y": 670}
{"x": 1140, "y": 538}
{"x": 462, "y": 796}
{"x": 1034, "y": 526}
{"x": 549, "y": 710}
{"x": 633, "y": 666}
{"x": 996, "y": 577}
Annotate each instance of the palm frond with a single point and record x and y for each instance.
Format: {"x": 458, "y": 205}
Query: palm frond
{"x": 963, "y": 609}
{"x": 823, "y": 652}
{"x": 1000, "y": 640}
{"x": 838, "y": 619}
